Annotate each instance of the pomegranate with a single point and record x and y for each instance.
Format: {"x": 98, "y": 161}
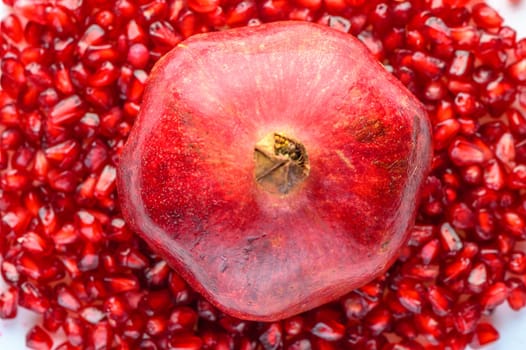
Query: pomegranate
{"x": 276, "y": 167}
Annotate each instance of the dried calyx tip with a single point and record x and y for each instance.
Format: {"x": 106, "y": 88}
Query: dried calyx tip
{"x": 281, "y": 163}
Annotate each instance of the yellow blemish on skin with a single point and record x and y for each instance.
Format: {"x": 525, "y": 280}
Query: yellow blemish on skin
{"x": 344, "y": 159}
{"x": 276, "y": 241}
{"x": 182, "y": 46}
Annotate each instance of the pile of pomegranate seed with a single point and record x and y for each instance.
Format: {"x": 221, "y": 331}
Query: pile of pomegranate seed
{"x": 72, "y": 77}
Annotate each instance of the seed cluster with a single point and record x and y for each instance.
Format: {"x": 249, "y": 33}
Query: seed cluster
{"x": 72, "y": 78}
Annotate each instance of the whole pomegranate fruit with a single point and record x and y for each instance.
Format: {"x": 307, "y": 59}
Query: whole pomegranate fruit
{"x": 275, "y": 167}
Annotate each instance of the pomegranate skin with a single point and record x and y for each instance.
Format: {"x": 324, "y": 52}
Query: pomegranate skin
{"x": 186, "y": 174}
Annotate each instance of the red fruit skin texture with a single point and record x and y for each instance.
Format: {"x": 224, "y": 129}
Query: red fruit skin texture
{"x": 186, "y": 175}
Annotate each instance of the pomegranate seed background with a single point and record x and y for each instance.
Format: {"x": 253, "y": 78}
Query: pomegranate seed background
{"x": 511, "y": 325}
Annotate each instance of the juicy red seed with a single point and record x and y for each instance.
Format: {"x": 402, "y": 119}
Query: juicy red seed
{"x": 12, "y": 28}
{"x": 183, "y": 318}
{"x": 101, "y": 335}
{"x": 185, "y": 341}
{"x": 466, "y": 317}
{"x": 8, "y": 303}
{"x": 517, "y": 262}
{"x": 92, "y": 314}
{"x": 54, "y": 318}
{"x": 93, "y": 35}
{"x": 32, "y": 298}
{"x": 203, "y": 6}
{"x": 74, "y": 330}
{"x": 272, "y": 337}
{"x": 378, "y": 320}
{"x": 484, "y": 334}
{"x": 329, "y": 330}
{"x": 430, "y": 326}
{"x": 138, "y": 56}
{"x": 486, "y": 17}
{"x": 38, "y": 339}
{"x": 162, "y": 33}
{"x": 67, "y": 299}
{"x": 495, "y": 295}
{"x": 463, "y": 152}
{"x": 449, "y": 238}
{"x": 477, "y": 279}
{"x": 121, "y": 284}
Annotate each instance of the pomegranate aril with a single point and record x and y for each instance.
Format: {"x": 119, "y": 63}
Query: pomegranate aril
{"x": 430, "y": 326}
{"x": 11, "y": 28}
{"x": 54, "y": 318}
{"x": 154, "y": 303}
{"x": 74, "y": 330}
{"x": 105, "y": 75}
{"x": 517, "y": 293}
{"x": 272, "y": 337}
{"x": 329, "y": 330}
{"x": 93, "y": 35}
{"x": 467, "y": 316}
{"x": 241, "y": 13}
{"x": 101, "y": 336}
{"x": 517, "y": 71}
{"x": 484, "y": 334}
{"x": 38, "y": 339}
{"x": 494, "y": 295}
{"x": 162, "y": 33}
{"x": 477, "y": 279}
{"x": 106, "y": 182}
{"x": 33, "y": 298}
{"x": 92, "y": 314}
{"x": 8, "y": 303}
{"x": 122, "y": 283}
{"x": 66, "y": 298}
{"x": 185, "y": 341}
{"x": 449, "y": 238}
{"x": 486, "y": 17}
{"x": 378, "y": 320}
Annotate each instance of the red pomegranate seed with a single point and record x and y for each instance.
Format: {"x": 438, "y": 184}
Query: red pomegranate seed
{"x": 378, "y": 320}
{"x": 138, "y": 56}
{"x": 38, "y": 339}
{"x": 74, "y": 330}
{"x": 92, "y": 314}
{"x": 517, "y": 293}
{"x": 466, "y": 317}
{"x": 495, "y": 295}
{"x": 93, "y": 35}
{"x": 34, "y": 243}
{"x": 463, "y": 152}
{"x": 32, "y": 298}
{"x": 8, "y": 303}
{"x": 329, "y": 330}
{"x": 101, "y": 336}
{"x": 484, "y": 334}
{"x": 66, "y": 298}
{"x": 429, "y": 326}
{"x": 185, "y": 342}
{"x": 449, "y": 238}
{"x": 486, "y": 17}
{"x": 517, "y": 262}
{"x": 54, "y": 318}
{"x": 162, "y": 33}
{"x": 477, "y": 279}
{"x": 203, "y": 6}
{"x": 272, "y": 337}
{"x": 12, "y": 28}
{"x": 122, "y": 283}
{"x": 241, "y": 13}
